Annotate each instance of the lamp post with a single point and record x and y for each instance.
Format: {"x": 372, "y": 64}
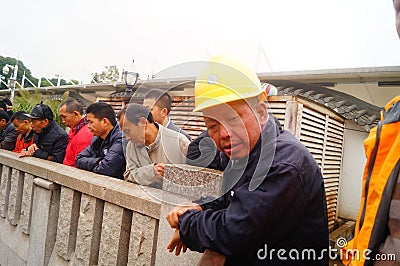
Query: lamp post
{"x": 130, "y": 79}
{"x": 13, "y": 79}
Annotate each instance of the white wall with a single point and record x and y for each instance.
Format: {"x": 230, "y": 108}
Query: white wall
{"x": 352, "y": 171}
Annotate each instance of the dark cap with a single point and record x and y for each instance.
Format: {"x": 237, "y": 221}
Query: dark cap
{"x": 41, "y": 111}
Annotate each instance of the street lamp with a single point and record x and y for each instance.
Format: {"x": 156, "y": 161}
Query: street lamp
{"x": 130, "y": 79}
{"x": 13, "y": 79}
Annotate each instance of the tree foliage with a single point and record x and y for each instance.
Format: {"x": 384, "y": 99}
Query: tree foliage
{"x": 21, "y": 69}
{"x": 28, "y": 74}
{"x": 25, "y": 100}
{"x": 110, "y": 74}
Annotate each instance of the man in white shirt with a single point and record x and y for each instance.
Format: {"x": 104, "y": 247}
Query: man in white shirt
{"x": 150, "y": 147}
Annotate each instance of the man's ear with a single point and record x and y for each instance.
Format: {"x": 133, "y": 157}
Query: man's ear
{"x": 262, "y": 113}
{"x": 142, "y": 121}
{"x": 105, "y": 121}
{"x": 76, "y": 113}
{"x": 164, "y": 111}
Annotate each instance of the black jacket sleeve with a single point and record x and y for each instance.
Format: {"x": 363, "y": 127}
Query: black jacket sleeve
{"x": 252, "y": 218}
{"x": 59, "y": 149}
{"x": 112, "y": 161}
{"x": 9, "y": 139}
{"x": 86, "y": 159}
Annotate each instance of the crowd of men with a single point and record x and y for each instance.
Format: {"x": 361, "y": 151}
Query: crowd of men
{"x": 95, "y": 141}
{"x": 273, "y": 195}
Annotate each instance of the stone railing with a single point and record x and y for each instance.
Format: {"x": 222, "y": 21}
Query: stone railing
{"x": 51, "y": 214}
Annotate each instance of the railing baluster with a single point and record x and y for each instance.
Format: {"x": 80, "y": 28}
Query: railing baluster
{"x": 70, "y": 202}
{"x": 15, "y": 201}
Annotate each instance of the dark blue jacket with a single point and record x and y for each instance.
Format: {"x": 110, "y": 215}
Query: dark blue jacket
{"x": 203, "y": 152}
{"x": 108, "y": 151}
{"x": 273, "y": 200}
{"x": 8, "y": 137}
{"x": 52, "y": 142}
{"x": 173, "y": 127}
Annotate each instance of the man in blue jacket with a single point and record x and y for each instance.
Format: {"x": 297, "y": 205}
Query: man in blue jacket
{"x": 50, "y": 139}
{"x": 105, "y": 154}
{"x": 273, "y": 207}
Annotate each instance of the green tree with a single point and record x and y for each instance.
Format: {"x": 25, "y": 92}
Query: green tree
{"x": 25, "y": 100}
{"x": 28, "y": 74}
{"x": 110, "y": 74}
{"x": 21, "y": 69}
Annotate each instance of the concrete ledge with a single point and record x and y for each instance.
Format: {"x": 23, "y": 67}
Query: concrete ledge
{"x": 140, "y": 199}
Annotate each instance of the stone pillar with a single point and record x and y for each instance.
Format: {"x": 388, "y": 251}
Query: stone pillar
{"x": 5, "y": 185}
{"x": 26, "y": 205}
{"x": 143, "y": 240}
{"x": 43, "y": 232}
{"x": 67, "y": 222}
{"x": 185, "y": 183}
{"x": 89, "y": 231}
{"x": 115, "y": 233}
{"x": 14, "y": 207}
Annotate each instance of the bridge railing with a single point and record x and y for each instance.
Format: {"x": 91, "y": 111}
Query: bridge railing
{"x": 51, "y": 214}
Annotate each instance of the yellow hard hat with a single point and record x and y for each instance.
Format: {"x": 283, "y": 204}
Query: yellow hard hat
{"x": 225, "y": 80}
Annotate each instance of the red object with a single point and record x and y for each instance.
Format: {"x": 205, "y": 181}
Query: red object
{"x": 23, "y": 142}
{"x": 77, "y": 142}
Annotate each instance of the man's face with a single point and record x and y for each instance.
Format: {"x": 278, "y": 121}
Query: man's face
{"x": 22, "y": 127}
{"x": 3, "y": 124}
{"x": 234, "y": 127}
{"x": 157, "y": 113}
{"x": 67, "y": 118}
{"x": 96, "y": 126}
{"x": 38, "y": 124}
{"x": 135, "y": 133}
{"x": 396, "y": 4}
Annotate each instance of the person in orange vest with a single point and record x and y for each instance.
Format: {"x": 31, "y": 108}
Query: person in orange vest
{"x": 26, "y": 135}
{"x": 377, "y": 234}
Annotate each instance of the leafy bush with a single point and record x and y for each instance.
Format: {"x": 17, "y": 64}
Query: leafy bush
{"x": 25, "y": 100}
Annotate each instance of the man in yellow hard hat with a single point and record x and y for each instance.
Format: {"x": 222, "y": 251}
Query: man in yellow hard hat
{"x": 273, "y": 190}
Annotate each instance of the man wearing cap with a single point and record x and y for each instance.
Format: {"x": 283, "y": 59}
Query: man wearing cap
{"x": 8, "y": 134}
{"x": 51, "y": 140}
{"x": 273, "y": 191}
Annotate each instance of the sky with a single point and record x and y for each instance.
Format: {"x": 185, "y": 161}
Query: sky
{"x": 75, "y": 38}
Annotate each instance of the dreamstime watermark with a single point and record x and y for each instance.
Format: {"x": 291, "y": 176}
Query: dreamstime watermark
{"x": 336, "y": 253}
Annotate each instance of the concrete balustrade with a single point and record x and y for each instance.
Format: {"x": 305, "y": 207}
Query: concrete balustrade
{"x": 51, "y": 214}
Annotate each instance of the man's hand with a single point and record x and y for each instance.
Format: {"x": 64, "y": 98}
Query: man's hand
{"x": 32, "y": 149}
{"x": 176, "y": 212}
{"x": 176, "y": 243}
{"x": 159, "y": 170}
{"x": 24, "y": 153}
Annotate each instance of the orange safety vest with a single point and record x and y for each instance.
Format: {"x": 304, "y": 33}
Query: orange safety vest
{"x": 382, "y": 148}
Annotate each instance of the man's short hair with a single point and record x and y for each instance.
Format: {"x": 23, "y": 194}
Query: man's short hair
{"x": 136, "y": 111}
{"x": 4, "y": 115}
{"x": 20, "y": 116}
{"x": 122, "y": 112}
{"x": 72, "y": 105}
{"x": 102, "y": 110}
{"x": 8, "y": 101}
{"x": 162, "y": 98}
{"x": 3, "y": 105}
